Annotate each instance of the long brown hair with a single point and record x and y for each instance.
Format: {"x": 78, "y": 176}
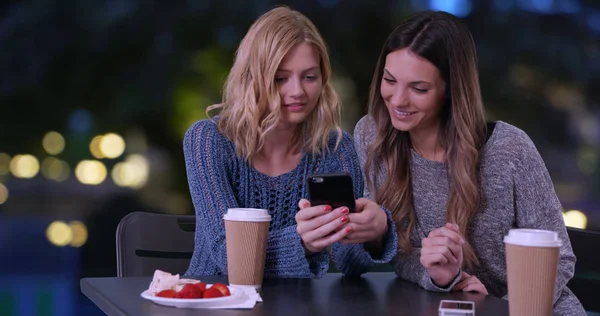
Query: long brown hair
{"x": 445, "y": 41}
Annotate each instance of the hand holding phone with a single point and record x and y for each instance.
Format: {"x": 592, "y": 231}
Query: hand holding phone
{"x": 334, "y": 189}
{"x": 322, "y": 221}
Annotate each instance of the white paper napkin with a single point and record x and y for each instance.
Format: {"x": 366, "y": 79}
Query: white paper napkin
{"x": 248, "y": 298}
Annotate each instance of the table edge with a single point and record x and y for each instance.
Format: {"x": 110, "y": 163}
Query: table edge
{"x": 104, "y": 304}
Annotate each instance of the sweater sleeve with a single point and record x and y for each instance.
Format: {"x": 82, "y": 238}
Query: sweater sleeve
{"x": 538, "y": 207}
{"x": 354, "y": 259}
{"x": 210, "y": 159}
{"x": 408, "y": 267}
{"x": 362, "y": 132}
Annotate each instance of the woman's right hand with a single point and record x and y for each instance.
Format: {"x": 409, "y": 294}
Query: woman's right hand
{"x": 441, "y": 254}
{"x": 320, "y": 226}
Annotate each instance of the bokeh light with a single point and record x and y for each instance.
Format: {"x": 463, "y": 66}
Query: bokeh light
{"x": 24, "y": 166}
{"x": 53, "y": 143}
{"x": 112, "y": 145}
{"x": 3, "y": 193}
{"x": 564, "y": 96}
{"x": 55, "y": 169}
{"x": 575, "y": 218}
{"x": 59, "y": 233}
{"x": 90, "y": 172}
{"x": 133, "y": 172}
{"x": 95, "y": 147}
{"x": 460, "y": 8}
{"x": 521, "y": 75}
{"x": 4, "y": 164}
{"x": 80, "y": 233}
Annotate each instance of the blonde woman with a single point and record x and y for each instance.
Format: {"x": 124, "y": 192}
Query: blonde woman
{"x": 277, "y": 123}
{"x": 454, "y": 184}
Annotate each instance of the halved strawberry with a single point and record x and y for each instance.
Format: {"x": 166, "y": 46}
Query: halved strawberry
{"x": 212, "y": 293}
{"x": 201, "y": 285}
{"x": 166, "y": 293}
{"x": 189, "y": 291}
{"x": 222, "y": 288}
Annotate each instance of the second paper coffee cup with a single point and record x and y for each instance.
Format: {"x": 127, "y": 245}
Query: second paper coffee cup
{"x": 531, "y": 263}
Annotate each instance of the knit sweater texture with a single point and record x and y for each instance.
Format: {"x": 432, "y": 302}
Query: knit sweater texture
{"x": 219, "y": 179}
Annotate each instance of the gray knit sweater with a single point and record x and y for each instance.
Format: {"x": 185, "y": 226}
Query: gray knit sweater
{"x": 516, "y": 192}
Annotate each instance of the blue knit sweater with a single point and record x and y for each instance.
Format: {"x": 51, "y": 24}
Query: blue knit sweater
{"x": 219, "y": 179}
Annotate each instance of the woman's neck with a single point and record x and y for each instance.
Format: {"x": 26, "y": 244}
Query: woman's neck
{"x": 426, "y": 143}
{"x": 278, "y": 142}
{"x": 279, "y": 153}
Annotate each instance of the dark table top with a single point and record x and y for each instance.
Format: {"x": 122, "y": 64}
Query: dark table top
{"x": 372, "y": 294}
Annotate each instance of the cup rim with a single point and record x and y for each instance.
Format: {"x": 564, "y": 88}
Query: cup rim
{"x": 532, "y": 238}
{"x": 237, "y": 215}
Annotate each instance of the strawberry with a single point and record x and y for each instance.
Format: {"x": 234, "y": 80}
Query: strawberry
{"x": 166, "y": 293}
{"x": 201, "y": 286}
{"x": 222, "y": 288}
{"x": 189, "y": 291}
{"x": 212, "y": 293}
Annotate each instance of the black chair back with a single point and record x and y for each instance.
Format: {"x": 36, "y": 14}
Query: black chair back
{"x": 150, "y": 241}
{"x": 586, "y": 282}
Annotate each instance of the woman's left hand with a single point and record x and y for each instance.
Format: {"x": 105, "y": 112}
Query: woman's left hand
{"x": 368, "y": 224}
{"x": 470, "y": 283}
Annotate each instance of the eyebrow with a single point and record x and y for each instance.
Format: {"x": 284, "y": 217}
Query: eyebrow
{"x": 389, "y": 74}
{"x": 412, "y": 82}
{"x": 305, "y": 70}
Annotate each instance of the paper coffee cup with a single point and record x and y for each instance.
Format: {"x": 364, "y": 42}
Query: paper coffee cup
{"x": 246, "y": 232}
{"x": 531, "y": 262}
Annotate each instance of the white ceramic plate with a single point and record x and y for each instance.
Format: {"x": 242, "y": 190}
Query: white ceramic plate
{"x": 192, "y": 302}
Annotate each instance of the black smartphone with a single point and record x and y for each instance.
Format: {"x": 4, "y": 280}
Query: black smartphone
{"x": 335, "y": 189}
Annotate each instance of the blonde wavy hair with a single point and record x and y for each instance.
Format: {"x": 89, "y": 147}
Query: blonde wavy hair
{"x": 445, "y": 41}
{"x": 250, "y": 87}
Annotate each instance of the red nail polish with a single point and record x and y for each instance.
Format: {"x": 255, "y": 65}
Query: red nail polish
{"x": 306, "y": 204}
{"x": 348, "y": 229}
{"x": 327, "y": 208}
{"x": 344, "y": 219}
{"x": 345, "y": 210}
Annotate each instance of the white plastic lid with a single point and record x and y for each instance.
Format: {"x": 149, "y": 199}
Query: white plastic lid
{"x": 533, "y": 238}
{"x": 247, "y": 215}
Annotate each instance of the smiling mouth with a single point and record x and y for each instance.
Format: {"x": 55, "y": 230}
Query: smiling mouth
{"x": 403, "y": 113}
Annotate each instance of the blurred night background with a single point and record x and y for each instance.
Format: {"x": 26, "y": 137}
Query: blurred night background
{"x": 96, "y": 95}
